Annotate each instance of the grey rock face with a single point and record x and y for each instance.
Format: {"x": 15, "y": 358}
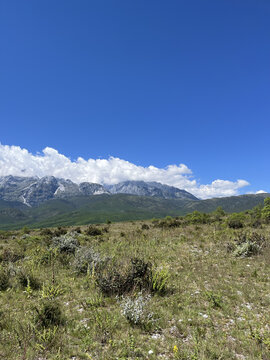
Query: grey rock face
{"x": 87, "y": 188}
{"x": 155, "y": 189}
{"x": 32, "y": 191}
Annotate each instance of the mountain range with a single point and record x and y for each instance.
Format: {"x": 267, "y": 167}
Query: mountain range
{"x": 32, "y": 191}
{"x": 50, "y": 201}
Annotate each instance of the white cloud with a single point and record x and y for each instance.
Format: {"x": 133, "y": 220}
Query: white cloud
{"x": 20, "y": 162}
{"x": 257, "y": 192}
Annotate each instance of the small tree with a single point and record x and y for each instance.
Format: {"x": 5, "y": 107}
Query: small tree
{"x": 236, "y": 221}
{"x": 266, "y": 210}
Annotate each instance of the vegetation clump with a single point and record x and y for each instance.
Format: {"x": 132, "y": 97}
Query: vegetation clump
{"x": 4, "y": 279}
{"x": 247, "y": 244}
{"x": 135, "y": 310}
{"x": 9, "y": 255}
{"x": 27, "y": 279}
{"x": 93, "y": 231}
{"x": 48, "y": 314}
{"x": 86, "y": 259}
{"x": 118, "y": 279}
{"x": 66, "y": 243}
{"x": 236, "y": 221}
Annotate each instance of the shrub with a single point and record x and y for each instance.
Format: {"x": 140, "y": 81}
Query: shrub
{"x": 135, "y": 309}
{"x": 66, "y": 243}
{"x": 145, "y": 227}
{"x": 48, "y": 314}
{"x": 246, "y": 245}
{"x": 93, "y": 231}
{"x": 197, "y": 218}
{"x": 236, "y": 221}
{"x": 46, "y": 232}
{"x": 218, "y": 214}
{"x": 122, "y": 278}
{"x": 167, "y": 223}
{"x": 60, "y": 231}
{"x": 4, "y": 279}
{"x": 27, "y": 279}
{"x": 25, "y": 230}
{"x": 9, "y": 255}
{"x": 86, "y": 258}
{"x": 266, "y": 210}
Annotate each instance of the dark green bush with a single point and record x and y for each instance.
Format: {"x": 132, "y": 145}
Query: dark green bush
{"x": 197, "y": 217}
{"x": 60, "y": 231}
{"x": 78, "y": 230}
{"x": 117, "y": 279}
{"x": 46, "y": 232}
{"x": 25, "y": 278}
{"x": 266, "y": 210}
{"x": 9, "y": 255}
{"x": 4, "y": 279}
{"x": 167, "y": 223}
{"x": 236, "y": 221}
{"x": 93, "y": 231}
{"x": 48, "y": 314}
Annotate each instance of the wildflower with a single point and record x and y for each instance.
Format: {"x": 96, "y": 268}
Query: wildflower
{"x": 175, "y": 349}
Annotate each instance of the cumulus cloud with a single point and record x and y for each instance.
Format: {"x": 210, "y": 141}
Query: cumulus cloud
{"x": 20, "y": 162}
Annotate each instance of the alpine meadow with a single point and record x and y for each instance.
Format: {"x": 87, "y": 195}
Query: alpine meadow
{"x": 134, "y": 180}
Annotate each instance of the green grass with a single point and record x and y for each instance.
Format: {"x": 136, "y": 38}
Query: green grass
{"x": 212, "y": 304}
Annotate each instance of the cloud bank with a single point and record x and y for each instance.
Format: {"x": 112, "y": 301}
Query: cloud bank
{"x": 20, "y": 162}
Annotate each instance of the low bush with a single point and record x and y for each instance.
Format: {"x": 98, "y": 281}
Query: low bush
{"x": 167, "y": 223}
{"x": 136, "y": 311}
{"x": 246, "y": 244}
{"x": 48, "y": 314}
{"x": 117, "y": 279}
{"x": 60, "y": 231}
{"x": 9, "y": 255}
{"x": 27, "y": 279}
{"x": 196, "y": 218}
{"x": 46, "y": 232}
{"x": 86, "y": 259}
{"x": 236, "y": 221}
{"x": 66, "y": 243}
{"x": 4, "y": 279}
{"x": 93, "y": 231}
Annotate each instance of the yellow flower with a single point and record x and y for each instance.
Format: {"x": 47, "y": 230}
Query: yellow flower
{"x": 175, "y": 349}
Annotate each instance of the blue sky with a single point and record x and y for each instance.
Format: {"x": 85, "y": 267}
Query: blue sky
{"x": 150, "y": 82}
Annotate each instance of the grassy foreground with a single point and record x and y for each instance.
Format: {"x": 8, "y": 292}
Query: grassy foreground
{"x": 135, "y": 290}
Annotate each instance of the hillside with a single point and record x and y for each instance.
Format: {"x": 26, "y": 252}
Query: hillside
{"x": 119, "y": 207}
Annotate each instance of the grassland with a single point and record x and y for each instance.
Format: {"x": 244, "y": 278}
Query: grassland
{"x": 84, "y": 210}
{"x": 193, "y": 296}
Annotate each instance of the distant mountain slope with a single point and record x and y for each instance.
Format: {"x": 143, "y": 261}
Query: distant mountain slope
{"x": 154, "y": 189}
{"x": 33, "y": 191}
{"x": 229, "y": 204}
{"x": 82, "y": 210}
